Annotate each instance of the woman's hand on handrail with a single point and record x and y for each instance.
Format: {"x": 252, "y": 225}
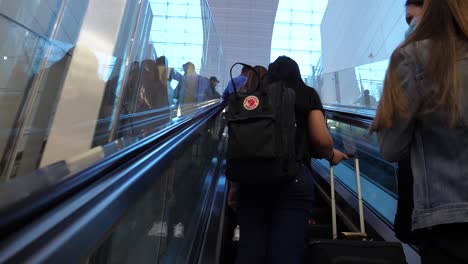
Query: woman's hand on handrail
{"x": 337, "y": 157}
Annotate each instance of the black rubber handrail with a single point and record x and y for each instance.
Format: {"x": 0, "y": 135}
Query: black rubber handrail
{"x": 348, "y": 117}
{"x": 18, "y": 214}
{"x": 211, "y": 219}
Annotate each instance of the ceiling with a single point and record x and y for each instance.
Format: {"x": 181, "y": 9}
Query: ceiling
{"x": 245, "y": 29}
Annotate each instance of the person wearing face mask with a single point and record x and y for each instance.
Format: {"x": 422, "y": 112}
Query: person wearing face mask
{"x": 423, "y": 116}
{"x": 414, "y": 9}
{"x": 402, "y": 223}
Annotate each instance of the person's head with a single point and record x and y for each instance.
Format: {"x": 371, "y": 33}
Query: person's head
{"x": 213, "y": 82}
{"x": 161, "y": 60}
{"x": 287, "y": 70}
{"x": 189, "y": 68}
{"x": 444, "y": 26}
{"x": 414, "y": 9}
{"x": 245, "y": 70}
{"x": 366, "y": 92}
{"x": 253, "y": 78}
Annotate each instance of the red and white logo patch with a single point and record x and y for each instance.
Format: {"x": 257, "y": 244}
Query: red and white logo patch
{"x": 251, "y": 102}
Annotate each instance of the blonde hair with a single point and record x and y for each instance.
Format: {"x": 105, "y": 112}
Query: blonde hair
{"x": 445, "y": 24}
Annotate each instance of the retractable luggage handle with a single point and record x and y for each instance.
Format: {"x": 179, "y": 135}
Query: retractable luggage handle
{"x": 359, "y": 192}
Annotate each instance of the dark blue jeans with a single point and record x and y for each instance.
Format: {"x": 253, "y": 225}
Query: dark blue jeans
{"x": 273, "y": 221}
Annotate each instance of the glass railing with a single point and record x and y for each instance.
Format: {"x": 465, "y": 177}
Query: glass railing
{"x": 162, "y": 226}
{"x": 360, "y": 86}
{"x": 350, "y": 97}
{"x": 25, "y": 53}
{"x": 91, "y": 81}
{"x": 378, "y": 177}
{"x": 153, "y": 206}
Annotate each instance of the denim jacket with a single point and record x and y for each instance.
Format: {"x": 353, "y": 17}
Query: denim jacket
{"x": 439, "y": 154}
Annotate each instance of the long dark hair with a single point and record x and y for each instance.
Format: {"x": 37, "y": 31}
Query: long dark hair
{"x": 287, "y": 70}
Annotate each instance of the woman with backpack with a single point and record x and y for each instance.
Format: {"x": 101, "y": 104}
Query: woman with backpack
{"x": 251, "y": 83}
{"x": 424, "y": 113}
{"x": 273, "y": 218}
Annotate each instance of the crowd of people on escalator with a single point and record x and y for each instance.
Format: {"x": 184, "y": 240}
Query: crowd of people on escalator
{"x": 149, "y": 94}
{"x": 191, "y": 87}
{"x": 421, "y": 122}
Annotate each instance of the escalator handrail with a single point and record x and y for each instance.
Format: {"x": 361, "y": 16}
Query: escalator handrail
{"x": 209, "y": 229}
{"x": 343, "y": 114}
{"x": 19, "y": 213}
{"x": 74, "y": 229}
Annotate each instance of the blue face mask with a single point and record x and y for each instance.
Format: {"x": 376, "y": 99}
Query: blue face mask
{"x": 411, "y": 28}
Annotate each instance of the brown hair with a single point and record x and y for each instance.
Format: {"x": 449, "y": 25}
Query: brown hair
{"x": 445, "y": 24}
{"x": 252, "y": 79}
{"x": 414, "y": 2}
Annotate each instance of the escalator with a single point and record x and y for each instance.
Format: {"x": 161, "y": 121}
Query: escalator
{"x": 349, "y": 127}
{"x": 100, "y": 162}
{"x": 147, "y": 203}
{"x": 163, "y": 199}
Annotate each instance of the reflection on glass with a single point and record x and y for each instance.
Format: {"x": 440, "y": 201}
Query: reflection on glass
{"x": 352, "y": 139}
{"x": 113, "y": 81}
{"x": 180, "y": 35}
{"x": 379, "y": 180}
{"x": 359, "y": 87}
{"x": 371, "y": 77}
{"x": 161, "y": 226}
{"x": 30, "y": 78}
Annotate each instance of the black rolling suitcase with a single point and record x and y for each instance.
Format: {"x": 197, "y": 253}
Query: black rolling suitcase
{"x": 354, "y": 251}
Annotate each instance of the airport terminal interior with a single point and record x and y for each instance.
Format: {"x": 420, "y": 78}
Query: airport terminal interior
{"x": 113, "y": 132}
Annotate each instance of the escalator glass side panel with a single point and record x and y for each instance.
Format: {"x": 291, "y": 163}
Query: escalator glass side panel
{"x": 79, "y": 94}
{"x": 356, "y": 140}
{"x": 380, "y": 201}
{"x": 76, "y": 85}
{"x": 26, "y": 197}
{"x": 378, "y": 177}
{"x": 358, "y": 87}
{"x": 61, "y": 101}
{"x": 161, "y": 226}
